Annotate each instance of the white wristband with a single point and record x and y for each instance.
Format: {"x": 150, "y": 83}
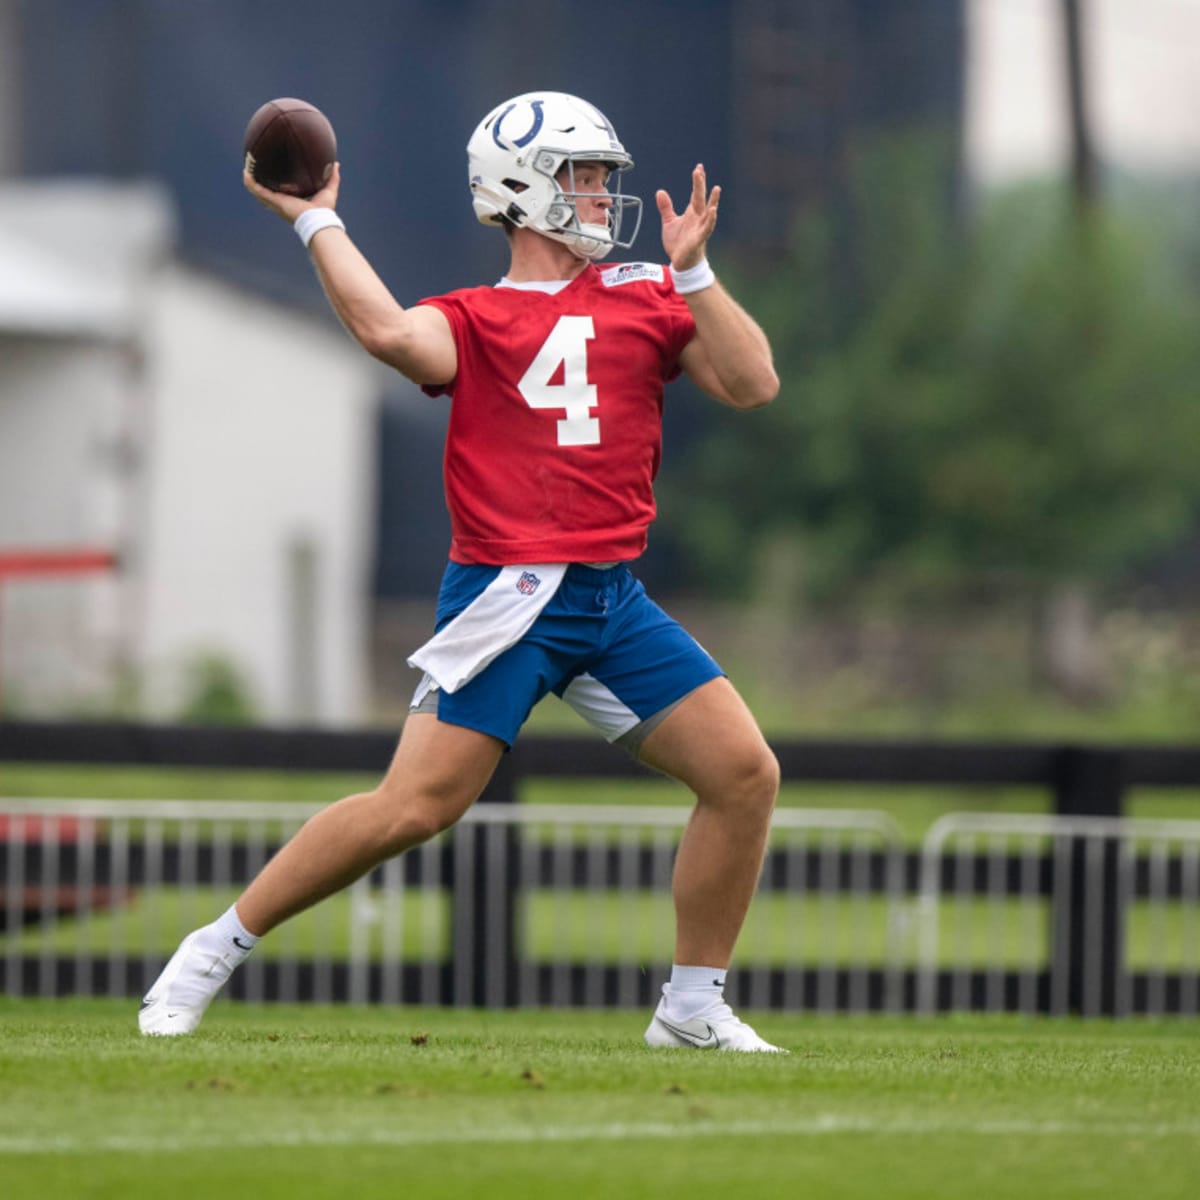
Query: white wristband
{"x": 312, "y": 220}
{"x": 693, "y": 279}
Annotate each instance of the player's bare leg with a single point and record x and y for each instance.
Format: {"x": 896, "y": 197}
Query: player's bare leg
{"x": 712, "y": 744}
{"x": 436, "y": 774}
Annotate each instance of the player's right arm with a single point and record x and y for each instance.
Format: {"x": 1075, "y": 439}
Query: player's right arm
{"x": 416, "y": 341}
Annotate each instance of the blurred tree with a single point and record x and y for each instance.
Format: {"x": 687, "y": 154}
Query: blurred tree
{"x": 216, "y": 692}
{"x": 1015, "y": 402}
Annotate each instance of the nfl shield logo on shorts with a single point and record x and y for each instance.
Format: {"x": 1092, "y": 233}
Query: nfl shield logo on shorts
{"x": 528, "y": 583}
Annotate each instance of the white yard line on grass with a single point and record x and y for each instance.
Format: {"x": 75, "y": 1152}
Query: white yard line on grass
{"x": 814, "y": 1126}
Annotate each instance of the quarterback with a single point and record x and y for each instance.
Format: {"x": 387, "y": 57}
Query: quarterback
{"x": 555, "y": 378}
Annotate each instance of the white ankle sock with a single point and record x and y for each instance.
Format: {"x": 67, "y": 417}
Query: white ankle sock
{"x": 693, "y": 989}
{"x": 233, "y": 936}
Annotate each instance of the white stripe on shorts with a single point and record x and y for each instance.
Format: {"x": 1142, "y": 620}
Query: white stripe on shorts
{"x": 599, "y": 707}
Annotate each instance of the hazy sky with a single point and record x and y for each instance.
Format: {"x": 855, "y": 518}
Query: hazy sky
{"x": 1144, "y": 85}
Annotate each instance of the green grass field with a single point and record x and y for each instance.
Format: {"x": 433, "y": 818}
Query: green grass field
{"x": 320, "y": 1102}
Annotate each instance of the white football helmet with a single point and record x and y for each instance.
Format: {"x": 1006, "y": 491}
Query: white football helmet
{"x": 516, "y": 154}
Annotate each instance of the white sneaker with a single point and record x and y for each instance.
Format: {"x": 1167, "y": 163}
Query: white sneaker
{"x": 713, "y": 1028}
{"x": 187, "y": 986}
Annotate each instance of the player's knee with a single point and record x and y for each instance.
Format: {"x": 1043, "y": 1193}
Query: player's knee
{"x": 410, "y": 820}
{"x": 752, "y": 780}
{"x": 763, "y": 778}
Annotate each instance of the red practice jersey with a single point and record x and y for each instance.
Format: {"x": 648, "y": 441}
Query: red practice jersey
{"x": 555, "y": 428}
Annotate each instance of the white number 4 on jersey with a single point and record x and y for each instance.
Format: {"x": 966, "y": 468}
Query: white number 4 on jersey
{"x": 566, "y": 346}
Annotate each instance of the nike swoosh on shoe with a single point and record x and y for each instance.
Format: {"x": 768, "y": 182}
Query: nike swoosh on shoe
{"x": 691, "y": 1033}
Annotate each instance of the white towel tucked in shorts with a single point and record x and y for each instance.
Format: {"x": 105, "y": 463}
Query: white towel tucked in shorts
{"x": 496, "y": 619}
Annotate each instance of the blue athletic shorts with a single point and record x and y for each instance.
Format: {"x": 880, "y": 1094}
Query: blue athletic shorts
{"x": 601, "y": 644}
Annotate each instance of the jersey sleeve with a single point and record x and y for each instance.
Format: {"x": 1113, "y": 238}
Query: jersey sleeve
{"x": 680, "y": 327}
{"x": 454, "y": 310}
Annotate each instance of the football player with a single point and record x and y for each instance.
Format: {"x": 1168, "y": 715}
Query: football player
{"x": 555, "y": 377}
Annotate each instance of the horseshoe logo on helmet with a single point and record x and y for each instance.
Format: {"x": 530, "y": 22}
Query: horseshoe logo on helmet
{"x": 525, "y": 138}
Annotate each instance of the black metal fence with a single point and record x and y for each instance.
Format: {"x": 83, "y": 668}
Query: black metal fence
{"x": 1088, "y": 911}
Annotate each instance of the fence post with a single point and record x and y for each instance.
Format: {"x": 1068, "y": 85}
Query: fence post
{"x": 483, "y": 920}
{"x": 1090, "y": 783}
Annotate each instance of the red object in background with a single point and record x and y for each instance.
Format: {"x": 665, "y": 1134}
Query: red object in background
{"x": 32, "y": 904}
{"x": 34, "y": 828}
{"x": 47, "y": 564}
{"x": 15, "y": 563}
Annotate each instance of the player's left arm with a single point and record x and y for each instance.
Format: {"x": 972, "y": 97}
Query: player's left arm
{"x": 729, "y": 357}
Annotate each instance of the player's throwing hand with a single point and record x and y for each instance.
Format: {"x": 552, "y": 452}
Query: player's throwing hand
{"x": 290, "y": 207}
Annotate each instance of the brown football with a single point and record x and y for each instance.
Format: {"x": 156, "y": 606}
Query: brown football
{"x": 290, "y": 147}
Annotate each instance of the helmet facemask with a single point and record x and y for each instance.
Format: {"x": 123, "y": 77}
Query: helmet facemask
{"x": 561, "y": 220}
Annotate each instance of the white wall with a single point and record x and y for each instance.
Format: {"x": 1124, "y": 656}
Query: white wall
{"x": 61, "y": 487}
{"x": 262, "y": 432}
{"x": 203, "y": 446}
{"x": 59, "y": 411}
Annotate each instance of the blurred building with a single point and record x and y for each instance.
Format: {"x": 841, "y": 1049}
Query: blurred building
{"x": 216, "y": 443}
{"x": 1142, "y": 62}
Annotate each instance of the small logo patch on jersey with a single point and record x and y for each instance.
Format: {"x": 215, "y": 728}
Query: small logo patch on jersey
{"x": 528, "y": 583}
{"x": 630, "y": 273}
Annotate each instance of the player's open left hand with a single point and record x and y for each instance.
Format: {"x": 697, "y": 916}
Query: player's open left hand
{"x": 290, "y": 207}
{"x": 686, "y": 234}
